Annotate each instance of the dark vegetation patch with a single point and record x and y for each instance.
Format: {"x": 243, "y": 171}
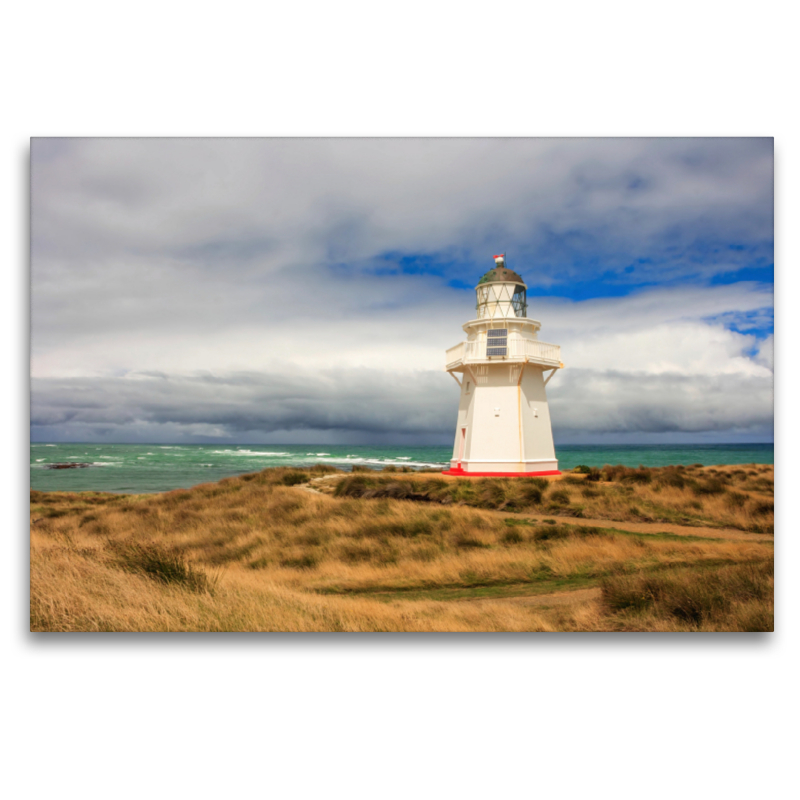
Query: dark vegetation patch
{"x": 161, "y": 564}
{"x": 737, "y": 596}
{"x": 583, "y": 531}
{"x": 323, "y": 469}
{"x": 512, "y": 537}
{"x": 489, "y": 493}
{"x": 406, "y": 530}
{"x": 548, "y": 530}
{"x": 466, "y": 541}
{"x": 708, "y": 487}
{"x": 293, "y": 478}
{"x": 589, "y": 473}
{"x": 735, "y": 500}
{"x": 307, "y": 560}
{"x": 626, "y": 474}
{"x": 559, "y": 497}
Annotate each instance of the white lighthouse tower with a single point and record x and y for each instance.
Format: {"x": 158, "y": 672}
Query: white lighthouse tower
{"x": 503, "y": 420}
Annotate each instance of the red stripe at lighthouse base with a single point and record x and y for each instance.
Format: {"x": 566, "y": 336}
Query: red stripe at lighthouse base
{"x": 461, "y": 474}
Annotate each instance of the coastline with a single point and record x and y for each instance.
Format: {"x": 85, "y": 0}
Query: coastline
{"x": 153, "y": 468}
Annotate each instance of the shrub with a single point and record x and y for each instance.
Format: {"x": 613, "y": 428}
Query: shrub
{"x": 640, "y": 475}
{"x": 544, "y": 533}
{"x": 763, "y": 508}
{"x": 157, "y": 562}
{"x": 512, "y": 537}
{"x": 322, "y": 469}
{"x": 559, "y": 498}
{"x": 735, "y": 500}
{"x": 671, "y": 478}
{"x": 305, "y": 561}
{"x": 626, "y": 474}
{"x": 352, "y": 486}
{"x": 354, "y": 553}
{"x": 293, "y": 478}
{"x": 594, "y": 475}
{"x": 712, "y": 486}
{"x": 407, "y": 529}
{"x": 582, "y": 469}
{"x": 531, "y": 494}
{"x": 492, "y": 494}
{"x": 467, "y": 540}
{"x": 739, "y": 594}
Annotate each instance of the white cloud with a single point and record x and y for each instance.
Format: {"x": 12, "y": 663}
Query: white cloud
{"x": 228, "y": 257}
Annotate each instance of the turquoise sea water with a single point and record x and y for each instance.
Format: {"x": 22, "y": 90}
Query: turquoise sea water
{"x": 158, "y": 468}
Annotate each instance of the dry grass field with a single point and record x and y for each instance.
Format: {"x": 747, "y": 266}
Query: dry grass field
{"x": 672, "y": 549}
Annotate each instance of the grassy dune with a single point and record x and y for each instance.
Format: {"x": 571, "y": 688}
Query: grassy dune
{"x": 323, "y": 550}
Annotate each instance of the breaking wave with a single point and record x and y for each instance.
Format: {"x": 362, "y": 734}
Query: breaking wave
{"x": 249, "y": 453}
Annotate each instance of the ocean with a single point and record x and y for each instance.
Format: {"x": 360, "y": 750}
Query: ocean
{"x": 134, "y": 468}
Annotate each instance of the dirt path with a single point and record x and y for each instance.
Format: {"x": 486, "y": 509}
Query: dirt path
{"x": 314, "y": 483}
{"x": 634, "y": 527}
{"x": 548, "y": 600}
{"x": 653, "y": 527}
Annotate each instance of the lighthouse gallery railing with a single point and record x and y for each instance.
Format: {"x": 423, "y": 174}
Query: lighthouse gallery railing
{"x": 518, "y": 349}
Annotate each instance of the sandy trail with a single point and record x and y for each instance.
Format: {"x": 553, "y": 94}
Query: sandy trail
{"x": 634, "y": 527}
{"x": 555, "y": 599}
{"x": 652, "y": 527}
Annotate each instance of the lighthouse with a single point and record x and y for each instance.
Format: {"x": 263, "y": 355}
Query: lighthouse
{"x": 502, "y": 369}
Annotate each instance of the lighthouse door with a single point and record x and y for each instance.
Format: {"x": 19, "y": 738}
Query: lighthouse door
{"x": 461, "y": 442}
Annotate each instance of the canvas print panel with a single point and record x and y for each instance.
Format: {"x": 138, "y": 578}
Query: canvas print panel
{"x": 402, "y": 384}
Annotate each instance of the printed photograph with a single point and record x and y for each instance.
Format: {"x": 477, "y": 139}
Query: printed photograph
{"x": 401, "y": 385}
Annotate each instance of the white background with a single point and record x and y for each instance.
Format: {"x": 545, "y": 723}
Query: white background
{"x": 392, "y": 715}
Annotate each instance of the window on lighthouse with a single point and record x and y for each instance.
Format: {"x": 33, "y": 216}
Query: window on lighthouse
{"x": 497, "y": 342}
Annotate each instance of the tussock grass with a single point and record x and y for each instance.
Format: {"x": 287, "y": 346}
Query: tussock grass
{"x": 679, "y": 495}
{"x": 260, "y": 552}
{"x": 737, "y": 597}
{"x": 159, "y": 563}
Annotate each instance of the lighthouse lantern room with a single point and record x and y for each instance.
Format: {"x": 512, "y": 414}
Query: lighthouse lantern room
{"x": 502, "y": 369}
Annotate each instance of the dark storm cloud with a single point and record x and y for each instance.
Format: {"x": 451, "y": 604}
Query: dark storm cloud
{"x": 371, "y": 402}
{"x": 351, "y": 400}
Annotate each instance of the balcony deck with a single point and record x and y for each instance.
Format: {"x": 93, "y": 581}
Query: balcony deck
{"x": 534, "y": 352}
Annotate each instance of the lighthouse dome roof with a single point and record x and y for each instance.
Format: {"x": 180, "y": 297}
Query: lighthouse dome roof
{"x": 501, "y": 274}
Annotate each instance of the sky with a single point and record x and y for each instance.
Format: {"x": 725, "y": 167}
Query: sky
{"x": 305, "y": 290}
